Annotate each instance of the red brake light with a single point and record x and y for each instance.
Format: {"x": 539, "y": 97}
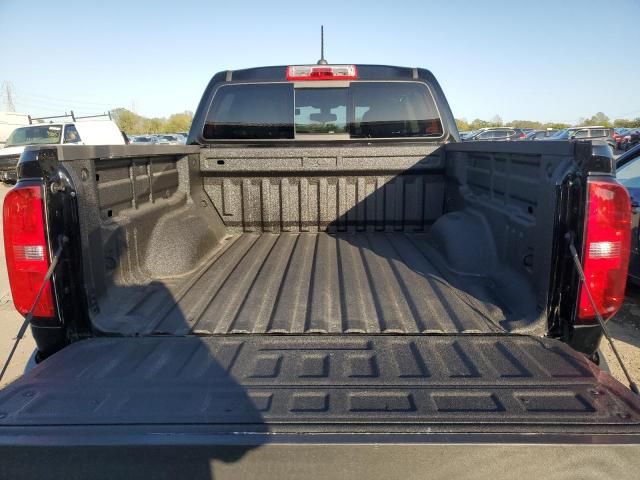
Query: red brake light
{"x": 606, "y": 249}
{"x": 322, "y": 72}
{"x": 26, "y": 249}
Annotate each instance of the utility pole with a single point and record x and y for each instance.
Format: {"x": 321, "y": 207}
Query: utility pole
{"x": 7, "y": 94}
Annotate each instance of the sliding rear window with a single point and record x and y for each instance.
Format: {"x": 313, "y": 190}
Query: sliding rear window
{"x": 360, "y": 110}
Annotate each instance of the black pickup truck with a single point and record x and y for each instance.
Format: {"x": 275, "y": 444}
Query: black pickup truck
{"x": 323, "y": 283}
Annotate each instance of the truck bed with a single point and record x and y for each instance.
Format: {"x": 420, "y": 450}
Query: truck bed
{"x": 317, "y": 283}
{"x": 227, "y": 241}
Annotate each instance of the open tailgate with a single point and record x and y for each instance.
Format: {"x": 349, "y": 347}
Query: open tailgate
{"x": 248, "y": 406}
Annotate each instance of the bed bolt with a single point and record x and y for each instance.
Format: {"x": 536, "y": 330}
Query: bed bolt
{"x": 203, "y": 203}
{"x": 110, "y": 263}
{"x": 57, "y": 187}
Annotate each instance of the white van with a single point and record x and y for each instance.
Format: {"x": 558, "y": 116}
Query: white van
{"x": 79, "y": 131}
{"x": 9, "y": 121}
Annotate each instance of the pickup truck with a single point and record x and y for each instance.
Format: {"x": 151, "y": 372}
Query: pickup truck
{"x": 324, "y": 282}
{"x": 58, "y": 130}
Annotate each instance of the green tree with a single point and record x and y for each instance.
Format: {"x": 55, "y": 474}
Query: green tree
{"x": 477, "y": 124}
{"x": 155, "y": 125}
{"x": 598, "y": 119}
{"x": 626, "y": 123}
{"x": 134, "y": 124}
{"x": 179, "y": 122}
{"x": 525, "y": 124}
{"x": 463, "y": 125}
{"x": 126, "y": 120}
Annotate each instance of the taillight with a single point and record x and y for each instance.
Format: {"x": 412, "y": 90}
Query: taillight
{"x": 322, "y": 72}
{"x": 26, "y": 249}
{"x": 606, "y": 251}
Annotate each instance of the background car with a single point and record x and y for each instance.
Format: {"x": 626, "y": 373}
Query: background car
{"x": 168, "y": 139}
{"x": 497, "y": 134}
{"x": 618, "y": 134}
{"x": 631, "y": 139}
{"x": 628, "y": 174}
{"x": 182, "y": 139}
{"x": 586, "y": 133}
{"x": 148, "y": 139}
{"x": 539, "y": 134}
{"x": 466, "y": 135}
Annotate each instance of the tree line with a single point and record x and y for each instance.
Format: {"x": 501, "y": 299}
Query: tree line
{"x": 133, "y": 124}
{"x": 597, "y": 119}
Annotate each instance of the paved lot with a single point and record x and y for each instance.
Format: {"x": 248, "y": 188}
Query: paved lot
{"x": 625, "y": 329}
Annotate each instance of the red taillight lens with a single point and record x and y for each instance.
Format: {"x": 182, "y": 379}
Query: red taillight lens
{"x": 26, "y": 249}
{"x": 606, "y": 249}
{"x": 322, "y": 72}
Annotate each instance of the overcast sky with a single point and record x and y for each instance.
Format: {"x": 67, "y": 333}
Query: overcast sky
{"x": 540, "y": 60}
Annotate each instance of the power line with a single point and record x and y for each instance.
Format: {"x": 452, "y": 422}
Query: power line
{"x": 40, "y": 109}
{"x": 63, "y": 103}
{"x": 58, "y": 105}
{"x": 47, "y": 98}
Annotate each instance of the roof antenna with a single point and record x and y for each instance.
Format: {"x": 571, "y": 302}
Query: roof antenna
{"x": 322, "y": 61}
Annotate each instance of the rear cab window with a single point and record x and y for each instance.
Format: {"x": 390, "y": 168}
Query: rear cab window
{"x": 35, "y": 135}
{"x": 331, "y": 111}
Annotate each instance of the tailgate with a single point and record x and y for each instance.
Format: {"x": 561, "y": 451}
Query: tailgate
{"x": 292, "y": 403}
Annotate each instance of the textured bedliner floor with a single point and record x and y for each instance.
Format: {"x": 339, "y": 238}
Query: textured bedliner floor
{"x": 311, "y": 283}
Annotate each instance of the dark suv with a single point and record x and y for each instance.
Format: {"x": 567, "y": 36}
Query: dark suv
{"x": 497, "y": 134}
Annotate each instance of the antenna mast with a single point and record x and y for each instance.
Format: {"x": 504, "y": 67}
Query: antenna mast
{"x": 322, "y": 61}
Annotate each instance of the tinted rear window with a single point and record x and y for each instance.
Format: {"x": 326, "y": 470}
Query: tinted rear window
{"x": 398, "y": 109}
{"x": 272, "y": 111}
{"x": 249, "y": 112}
